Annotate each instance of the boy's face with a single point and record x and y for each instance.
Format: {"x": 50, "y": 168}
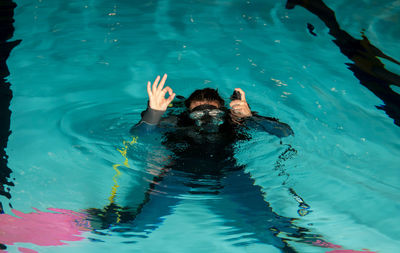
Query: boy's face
{"x": 207, "y": 115}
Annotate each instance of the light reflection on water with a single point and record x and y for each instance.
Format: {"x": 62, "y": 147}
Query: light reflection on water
{"x": 79, "y": 85}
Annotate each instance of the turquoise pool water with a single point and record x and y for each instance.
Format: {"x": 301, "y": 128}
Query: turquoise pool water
{"x": 79, "y": 83}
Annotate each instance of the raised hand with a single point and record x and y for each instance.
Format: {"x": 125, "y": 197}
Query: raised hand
{"x": 157, "y": 92}
{"x": 240, "y": 108}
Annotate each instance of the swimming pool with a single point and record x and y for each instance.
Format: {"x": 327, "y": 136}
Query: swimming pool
{"x": 79, "y": 83}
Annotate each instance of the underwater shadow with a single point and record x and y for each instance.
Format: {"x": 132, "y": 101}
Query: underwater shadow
{"x": 6, "y": 33}
{"x": 365, "y": 65}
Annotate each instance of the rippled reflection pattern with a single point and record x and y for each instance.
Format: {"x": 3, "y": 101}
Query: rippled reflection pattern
{"x": 79, "y": 84}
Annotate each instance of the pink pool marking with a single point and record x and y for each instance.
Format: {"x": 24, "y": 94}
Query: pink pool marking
{"x": 321, "y": 243}
{"x": 324, "y": 244}
{"x": 42, "y": 228}
{"x": 51, "y": 229}
{"x": 26, "y": 250}
{"x": 22, "y": 250}
{"x": 349, "y": 251}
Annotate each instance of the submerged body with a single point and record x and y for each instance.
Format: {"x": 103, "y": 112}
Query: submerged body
{"x": 201, "y": 161}
{"x": 204, "y": 163}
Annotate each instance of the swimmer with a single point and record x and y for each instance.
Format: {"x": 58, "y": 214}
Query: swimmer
{"x": 200, "y": 159}
{"x": 202, "y": 141}
{"x": 206, "y": 111}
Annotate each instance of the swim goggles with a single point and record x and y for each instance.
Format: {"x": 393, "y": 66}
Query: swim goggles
{"x": 204, "y": 111}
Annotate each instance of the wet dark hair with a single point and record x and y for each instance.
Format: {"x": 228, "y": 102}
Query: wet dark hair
{"x": 206, "y": 94}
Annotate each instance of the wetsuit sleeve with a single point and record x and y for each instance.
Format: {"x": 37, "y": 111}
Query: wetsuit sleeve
{"x": 151, "y": 116}
{"x": 270, "y": 125}
{"x": 149, "y": 121}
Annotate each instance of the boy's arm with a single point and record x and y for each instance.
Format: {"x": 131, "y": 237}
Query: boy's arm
{"x": 241, "y": 114}
{"x": 148, "y": 122}
{"x": 270, "y": 125}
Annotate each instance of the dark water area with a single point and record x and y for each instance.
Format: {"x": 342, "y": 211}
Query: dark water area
{"x": 365, "y": 65}
{"x": 203, "y": 164}
{"x": 6, "y": 33}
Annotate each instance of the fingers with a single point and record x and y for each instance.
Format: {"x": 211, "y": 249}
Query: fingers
{"x": 161, "y": 85}
{"x": 171, "y": 97}
{"x": 165, "y": 90}
{"x": 240, "y": 108}
{"x": 237, "y": 103}
{"x": 168, "y": 100}
{"x": 149, "y": 89}
{"x": 158, "y": 86}
{"x": 154, "y": 88}
{"x": 242, "y": 94}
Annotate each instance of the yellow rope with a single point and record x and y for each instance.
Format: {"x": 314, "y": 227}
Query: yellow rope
{"x": 123, "y": 152}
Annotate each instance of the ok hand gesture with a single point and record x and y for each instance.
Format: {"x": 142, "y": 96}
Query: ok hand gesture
{"x": 157, "y": 99}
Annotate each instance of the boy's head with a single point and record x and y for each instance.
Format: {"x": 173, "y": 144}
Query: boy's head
{"x": 205, "y": 96}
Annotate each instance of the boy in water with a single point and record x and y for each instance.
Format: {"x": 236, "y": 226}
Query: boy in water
{"x": 206, "y": 111}
{"x": 202, "y": 140}
{"x": 201, "y": 143}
